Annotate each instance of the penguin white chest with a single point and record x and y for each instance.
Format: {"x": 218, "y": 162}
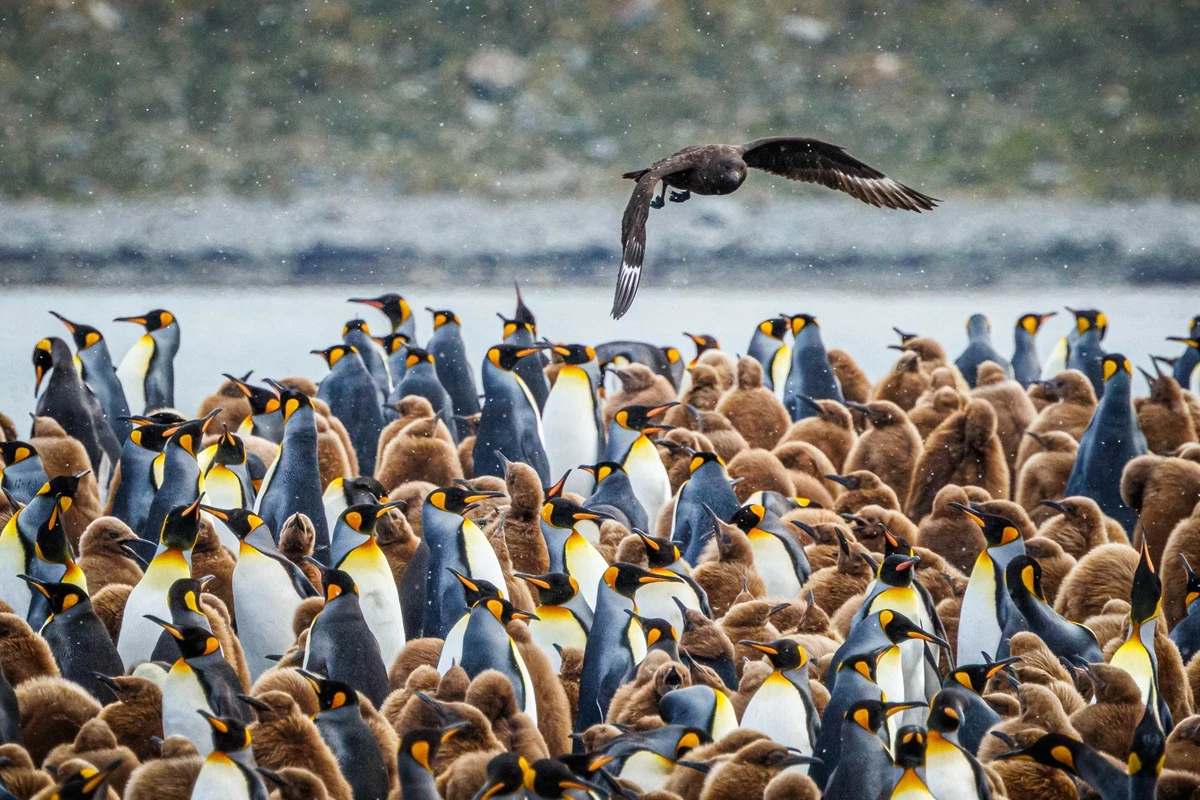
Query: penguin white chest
{"x": 132, "y": 373}
{"x": 982, "y": 634}
{"x": 139, "y": 635}
{"x": 648, "y": 770}
{"x": 13, "y": 590}
{"x": 452, "y": 646}
{"x": 480, "y": 557}
{"x": 948, "y": 774}
{"x": 378, "y": 597}
{"x": 585, "y": 564}
{"x": 220, "y": 779}
{"x": 778, "y": 710}
{"x": 263, "y": 590}
{"x": 569, "y": 423}
{"x": 555, "y": 625}
{"x": 182, "y": 697}
{"x": 648, "y": 477}
{"x": 774, "y": 566}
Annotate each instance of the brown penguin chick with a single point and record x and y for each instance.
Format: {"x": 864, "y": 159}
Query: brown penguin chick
{"x": 635, "y": 704}
{"x": 727, "y": 565}
{"x": 871, "y": 523}
{"x": 640, "y": 386}
{"x": 1014, "y": 410}
{"x": 930, "y": 351}
{"x": 1108, "y": 723}
{"x": 230, "y": 403}
{"x": 516, "y": 590}
{"x": 24, "y": 654}
{"x": 553, "y": 720}
{"x": 53, "y": 710}
{"x": 687, "y": 783}
{"x": 964, "y": 450}
{"x": 950, "y": 533}
{"x": 832, "y": 586}
{"x": 1071, "y": 412}
{"x": 410, "y": 409}
{"x": 905, "y": 384}
{"x": 804, "y": 463}
{"x": 1040, "y": 712}
{"x": 702, "y": 395}
{"x": 759, "y": 471}
{"x": 294, "y": 783}
{"x": 136, "y": 716}
{"x": 109, "y": 605}
{"x": 1163, "y": 491}
{"x": 722, "y": 363}
{"x": 703, "y": 638}
{"x": 1164, "y": 416}
{"x": 1077, "y": 524}
{"x": 1183, "y": 746}
{"x": 102, "y": 557}
{"x": 419, "y": 453}
{"x": 63, "y": 455}
{"x": 18, "y": 773}
{"x": 523, "y": 523}
{"x": 97, "y": 745}
{"x": 934, "y": 408}
{"x": 168, "y": 778}
{"x": 747, "y": 774}
{"x": 397, "y": 541}
{"x": 791, "y": 786}
{"x": 492, "y": 693}
{"x": 863, "y": 488}
{"x": 831, "y": 430}
{"x": 1105, "y": 572}
{"x": 1038, "y": 664}
{"x": 1022, "y": 778}
{"x": 290, "y": 682}
{"x": 1184, "y": 541}
{"x": 210, "y": 557}
{"x": 842, "y": 619}
{"x": 748, "y": 621}
{"x": 726, "y": 441}
{"x": 753, "y": 409}
{"x": 570, "y": 669}
{"x": 285, "y": 737}
{"x": 855, "y": 385}
{"x": 297, "y": 540}
{"x": 1044, "y": 474}
{"x": 1056, "y": 563}
{"x": 612, "y": 533}
{"x": 889, "y": 447}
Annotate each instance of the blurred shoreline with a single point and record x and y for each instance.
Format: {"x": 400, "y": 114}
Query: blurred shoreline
{"x": 434, "y": 240}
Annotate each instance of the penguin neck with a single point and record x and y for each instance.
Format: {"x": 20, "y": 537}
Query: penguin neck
{"x": 1004, "y": 553}
{"x": 620, "y": 442}
{"x": 243, "y": 757}
{"x": 415, "y": 781}
{"x": 809, "y": 339}
{"x": 300, "y": 429}
{"x": 1143, "y": 787}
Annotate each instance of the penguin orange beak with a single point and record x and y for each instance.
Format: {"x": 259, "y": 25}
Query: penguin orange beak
{"x": 525, "y": 615}
{"x": 216, "y": 512}
{"x": 193, "y": 510}
{"x": 366, "y": 301}
{"x": 656, "y": 410}
{"x": 760, "y": 647}
{"x": 978, "y": 520}
{"x": 134, "y": 320}
{"x": 533, "y": 579}
{"x": 654, "y": 577}
{"x": 464, "y": 580}
{"x": 166, "y": 626}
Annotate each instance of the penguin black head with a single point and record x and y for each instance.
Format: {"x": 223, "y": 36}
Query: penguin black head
{"x": 864, "y": 663}
{"x": 1053, "y": 750}
{"x": 997, "y": 530}
{"x": 476, "y": 590}
{"x": 361, "y": 518}
{"x": 947, "y": 712}
{"x": 88, "y": 783}
{"x": 625, "y": 579}
{"x": 181, "y": 527}
{"x": 228, "y": 734}
{"x": 85, "y": 336}
{"x": 704, "y": 342}
{"x": 978, "y": 324}
{"x": 262, "y": 401}
{"x": 643, "y": 418}
{"x": 1032, "y": 323}
{"x": 1115, "y": 364}
{"x": 702, "y": 458}
{"x": 64, "y": 487}
{"x": 444, "y": 317}
{"x": 291, "y": 399}
{"x": 230, "y": 449}
{"x": 899, "y": 628}
{"x": 188, "y": 435}
{"x": 550, "y": 778}
{"x": 240, "y": 521}
{"x": 775, "y": 327}
{"x": 392, "y": 342}
{"x": 553, "y": 588}
{"x": 193, "y": 640}
{"x": 561, "y": 513}
{"x": 152, "y": 320}
{"x": 894, "y": 545}
{"x": 659, "y": 552}
{"x": 1193, "y": 582}
{"x": 506, "y": 774}
{"x": 504, "y": 611}
{"x": 1088, "y": 318}
{"x": 61, "y": 596}
{"x": 153, "y": 430}
{"x": 871, "y": 714}
{"x": 417, "y": 356}
{"x": 574, "y": 353}
{"x": 337, "y": 583}
{"x": 897, "y": 570}
{"x": 356, "y": 325}
{"x": 43, "y": 360}
{"x": 335, "y": 353}
{"x": 910, "y": 747}
{"x": 976, "y": 676}
{"x": 1145, "y": 598}
{"x": 654, "y": 628}
{"x": 599, "y": 472}
{"x": 1149, "y": 749}
{"x": 800, "y": 321}
{"x": 421, "y": 745}
{"x": 511, "y": 326}
{"x": 394, "y": 307}
{"x": 50, "y": 540}
{"x": 784, "y": 654}
{"x": 1024, "y": 574}
{"x": 13, "y": 453}
{"x": 185, "y": 594}
{"x": 506, "y": 356}
{"x": 331, "y": 694}
{"x": 458, "y": 499}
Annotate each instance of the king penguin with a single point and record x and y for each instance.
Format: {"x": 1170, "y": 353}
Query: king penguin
{"x": 1086, "y": 353}
{"x": 522, "y": 331}
{"x": 342, "y": 727}
{"x": 668, "y": 600}
{"x": 353, "y": 397}
{"x": 183, "y": 603}
{"x": 1186, "y": 633}
{"x": 421, "y": 378}
{"x": 21, "y": 470}
{"x": 571, "y": 551}
{"x": 865, "y": 771}
{"x": 69, "y": 401}
{"x": 147, "y": 372}
{"x": 951, "y": 771}
{"x": 970, "y": 682}
{"x": 979, "y": 349}
{"x": 987, "y": 603}
{"x": 266, "y": 418}
{"x": 179, "y": 479}
{"x": 97, "y": 370}
{"x": 81, "y": 645}
{"x": 19, "y": 542}
{"x": 779, "y": 558}
{"x": 783, "y": 708}
{"x": 811, "y": 374}
{"x": 293, "y": 482}
{"x": 138, "y": 635}
{"x": 1189, "y": 359}
{"x": 647, "y": 758}
{"x": 396, "y": 346}
{"x": 487, "y": 645}
{"x": 1137, "y": 655}
{"x": 340, "y": 643}
{"x": 357, "y": 334}
{"x": 341, "y": 493}
{"x": 1111, "y": 441}
{"x": 1070, "y": 641}
{"x": 134, "y": 494}
{"x": 475, "y": 592}
{"x": 1026, "y": 364}
{"x": 229, "y": 771}
{"x": 397, "y": 311}
{"x": 629, "y": 445}
{"x": 88, "y": 783}
{"x": 768, "y": 349}
{"x": 52, "y": 558}
{"x": 571, "y": 419}
{"x": 703, "y": 499}
{"x": 453, "y": 367}
{"x": 511, "y": 425}
{"x": 227, "y": 482}
{"x": 613, "y": 495}
{"x": 615, "y": 642}
{"x": 561, "y": 618}
{"x": 908, "y": 758}
{"x": 414, "y": 760}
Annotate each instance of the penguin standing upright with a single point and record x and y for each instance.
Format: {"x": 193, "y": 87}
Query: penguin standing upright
{"x": 396, "y": 347}
{"x": 487, "y": 645}
{"x": 134, "y": 494}
{"x": 353, "y": 397}
{"x": 227, "y": 482}
{"x": 98, "y": 372}
{"x": 669, "y": 601}
{"x": 865, "y": 770}
{"x": 522, "y": 331}
{"x": 979, "y": 349}
{"x": 1111, "y": 441}
{"x": 78, "y": 640}
{"x": 703, "y": 499}
{"x": 21, "y": 470}
{"x": 453, "y": 367}
{"x": 570, "y": 550}
{"x": 779, "y": 558}
{"x": 970, "y": 682}
{"x": 615, "y": 642}
{"x": 950, "y": 769}
{"x": 909, "y": 759}
{"x": 783, "y": 708}
{"x": 52, "y": 558}
{"x": 340, "y": 722}
{"x": 613, "y": 495}
{"x": 266, "y": 418}
{"x": 1026, "y": 364}
{"x": 19, "y": 543}
{"x": 414, "y": 761}
{"x": 397, "y": 311}
{"x": 293, "y": 482}
{"x": 1070, "y": 641}
{"x": 1185, "y": 366}
{"x": 811, "y": 374}
{"x": 147, "y": 372}
{"x": 475, "y": 591}
{"x": 69, "y": 401}
{"x": 340, "y": 643}
{"x": 138, "y": 636}
{"x": 181, "y": 482}
{"x": 768, "y": 348}
{"x": 1086, "y": 352}
{"x": 356, "y": 334}
{"x": 987, "y": 603}
{"x": 571, "y": 418}
{"x": 629, "y": 445}
{"x": 561, "y": 618}
{"x": 420, "y": 378}
{"x": 229, "y": 771}
{"x": 1137, "y": 655}
{"x": 1186, "y": 633}
{"x": 511, "y": 424}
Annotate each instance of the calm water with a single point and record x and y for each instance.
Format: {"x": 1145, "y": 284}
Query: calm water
{"x": 272, "y": 330}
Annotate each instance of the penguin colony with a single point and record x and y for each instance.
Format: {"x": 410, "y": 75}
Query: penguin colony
{"x": 623, "y": 574}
